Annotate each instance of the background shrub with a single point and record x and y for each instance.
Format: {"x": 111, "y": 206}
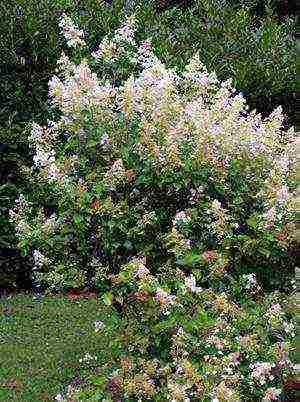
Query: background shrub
{"x": 282, "y": 8}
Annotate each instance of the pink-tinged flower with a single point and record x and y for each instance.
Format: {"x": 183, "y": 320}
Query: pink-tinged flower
{"x": 179, "y": 370}
{"x": 276, "y": 309}
{"x": 141, "y": 270}
{"x": 216, "y": 205}
{"x": 117, "y": 169}
{"x": 210, "y": 255}
{"x": 217, "y": 342}
{"x": 270, "y": 217}
{"x": 196, "y": 194}
{"x": 125, "y": 33}
{"x": 164, "y": 298}
{"x": 235, "y": 357}
{"x": 145, "y": 47}
{"x": 226, "y": 103}
{"x": 216, "y": 129}
{"x": 85, "y": 78}
{"x": 56, "y": 87}
{"x": 282, "y": 355}
{"x": 275, "y": 312}
{"x": 284, "y": 163}
{"x": 261, "y": 372}
{"x": 181, "y": 217}
{"x": 162, "y": 83}
{"x": 188, "y": 244}
{"x": 282, "y": 194}
{"x": 203, "y": 80}
{"x": 72, "y": 34}
{"x": 272, "y": 394}
{"x": 255, "y": 146}
{"x": 54, "y": 173}
{"x": 189, "y": 109}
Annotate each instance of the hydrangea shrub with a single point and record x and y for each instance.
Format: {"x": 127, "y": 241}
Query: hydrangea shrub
{"x": 167, "y": 166}
{"x": 164, "y": 192}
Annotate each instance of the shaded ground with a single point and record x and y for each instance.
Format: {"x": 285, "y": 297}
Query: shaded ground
{"x": 41, "y": 343}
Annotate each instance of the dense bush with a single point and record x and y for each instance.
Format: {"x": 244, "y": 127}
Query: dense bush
{"x": 158, "y": 187}
{"x": 281, "y": 8}
{"x": 198, "y": 345}
{"x": 256, "y": 53}
{"x": 159, "y": 160}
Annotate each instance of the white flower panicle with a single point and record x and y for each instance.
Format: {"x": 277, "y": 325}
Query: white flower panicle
{"x": 72, "y": 34}
{"x": 164, "y": 298}
{"x": 190, "y": 284}
{"x": 98, "y": 325}
{"x": 40, "y": 259}
{"x": 272, "y": 394}
{"x": 110, "y": 50}
{"x": 261, "y": 372}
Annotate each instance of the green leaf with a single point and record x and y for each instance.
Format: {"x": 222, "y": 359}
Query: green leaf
{"x": 191, "y": 258}
{"x": 78, "y": 219}
{"x": 107, "y": 299}
{"x": 265, "y": 252}
{"x": 253, "y": 221}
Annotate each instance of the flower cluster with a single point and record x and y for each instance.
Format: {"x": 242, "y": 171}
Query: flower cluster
{"x": 70, "y": 394}
{"x": 251, "y": 283}
{"x": 87, "y": 358}
{"x": 261, "y": 372}
{"x": 272, "y": 394}
{"x": 112, "y": 49}
{"x": 98, "y": 325}
{"x": 181, "y": 218}
{"x": 164, "y": 298}
{"x": 73, "y": 35}
{"x": 190, "y": 284}
{"x": 142, "y": 271}
{"x": 39, "y": 259}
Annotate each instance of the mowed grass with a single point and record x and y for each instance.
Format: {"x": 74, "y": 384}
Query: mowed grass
{"x": 41, "y": 343}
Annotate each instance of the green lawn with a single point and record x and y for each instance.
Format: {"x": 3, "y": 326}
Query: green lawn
{"x": 41, "y": 343}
